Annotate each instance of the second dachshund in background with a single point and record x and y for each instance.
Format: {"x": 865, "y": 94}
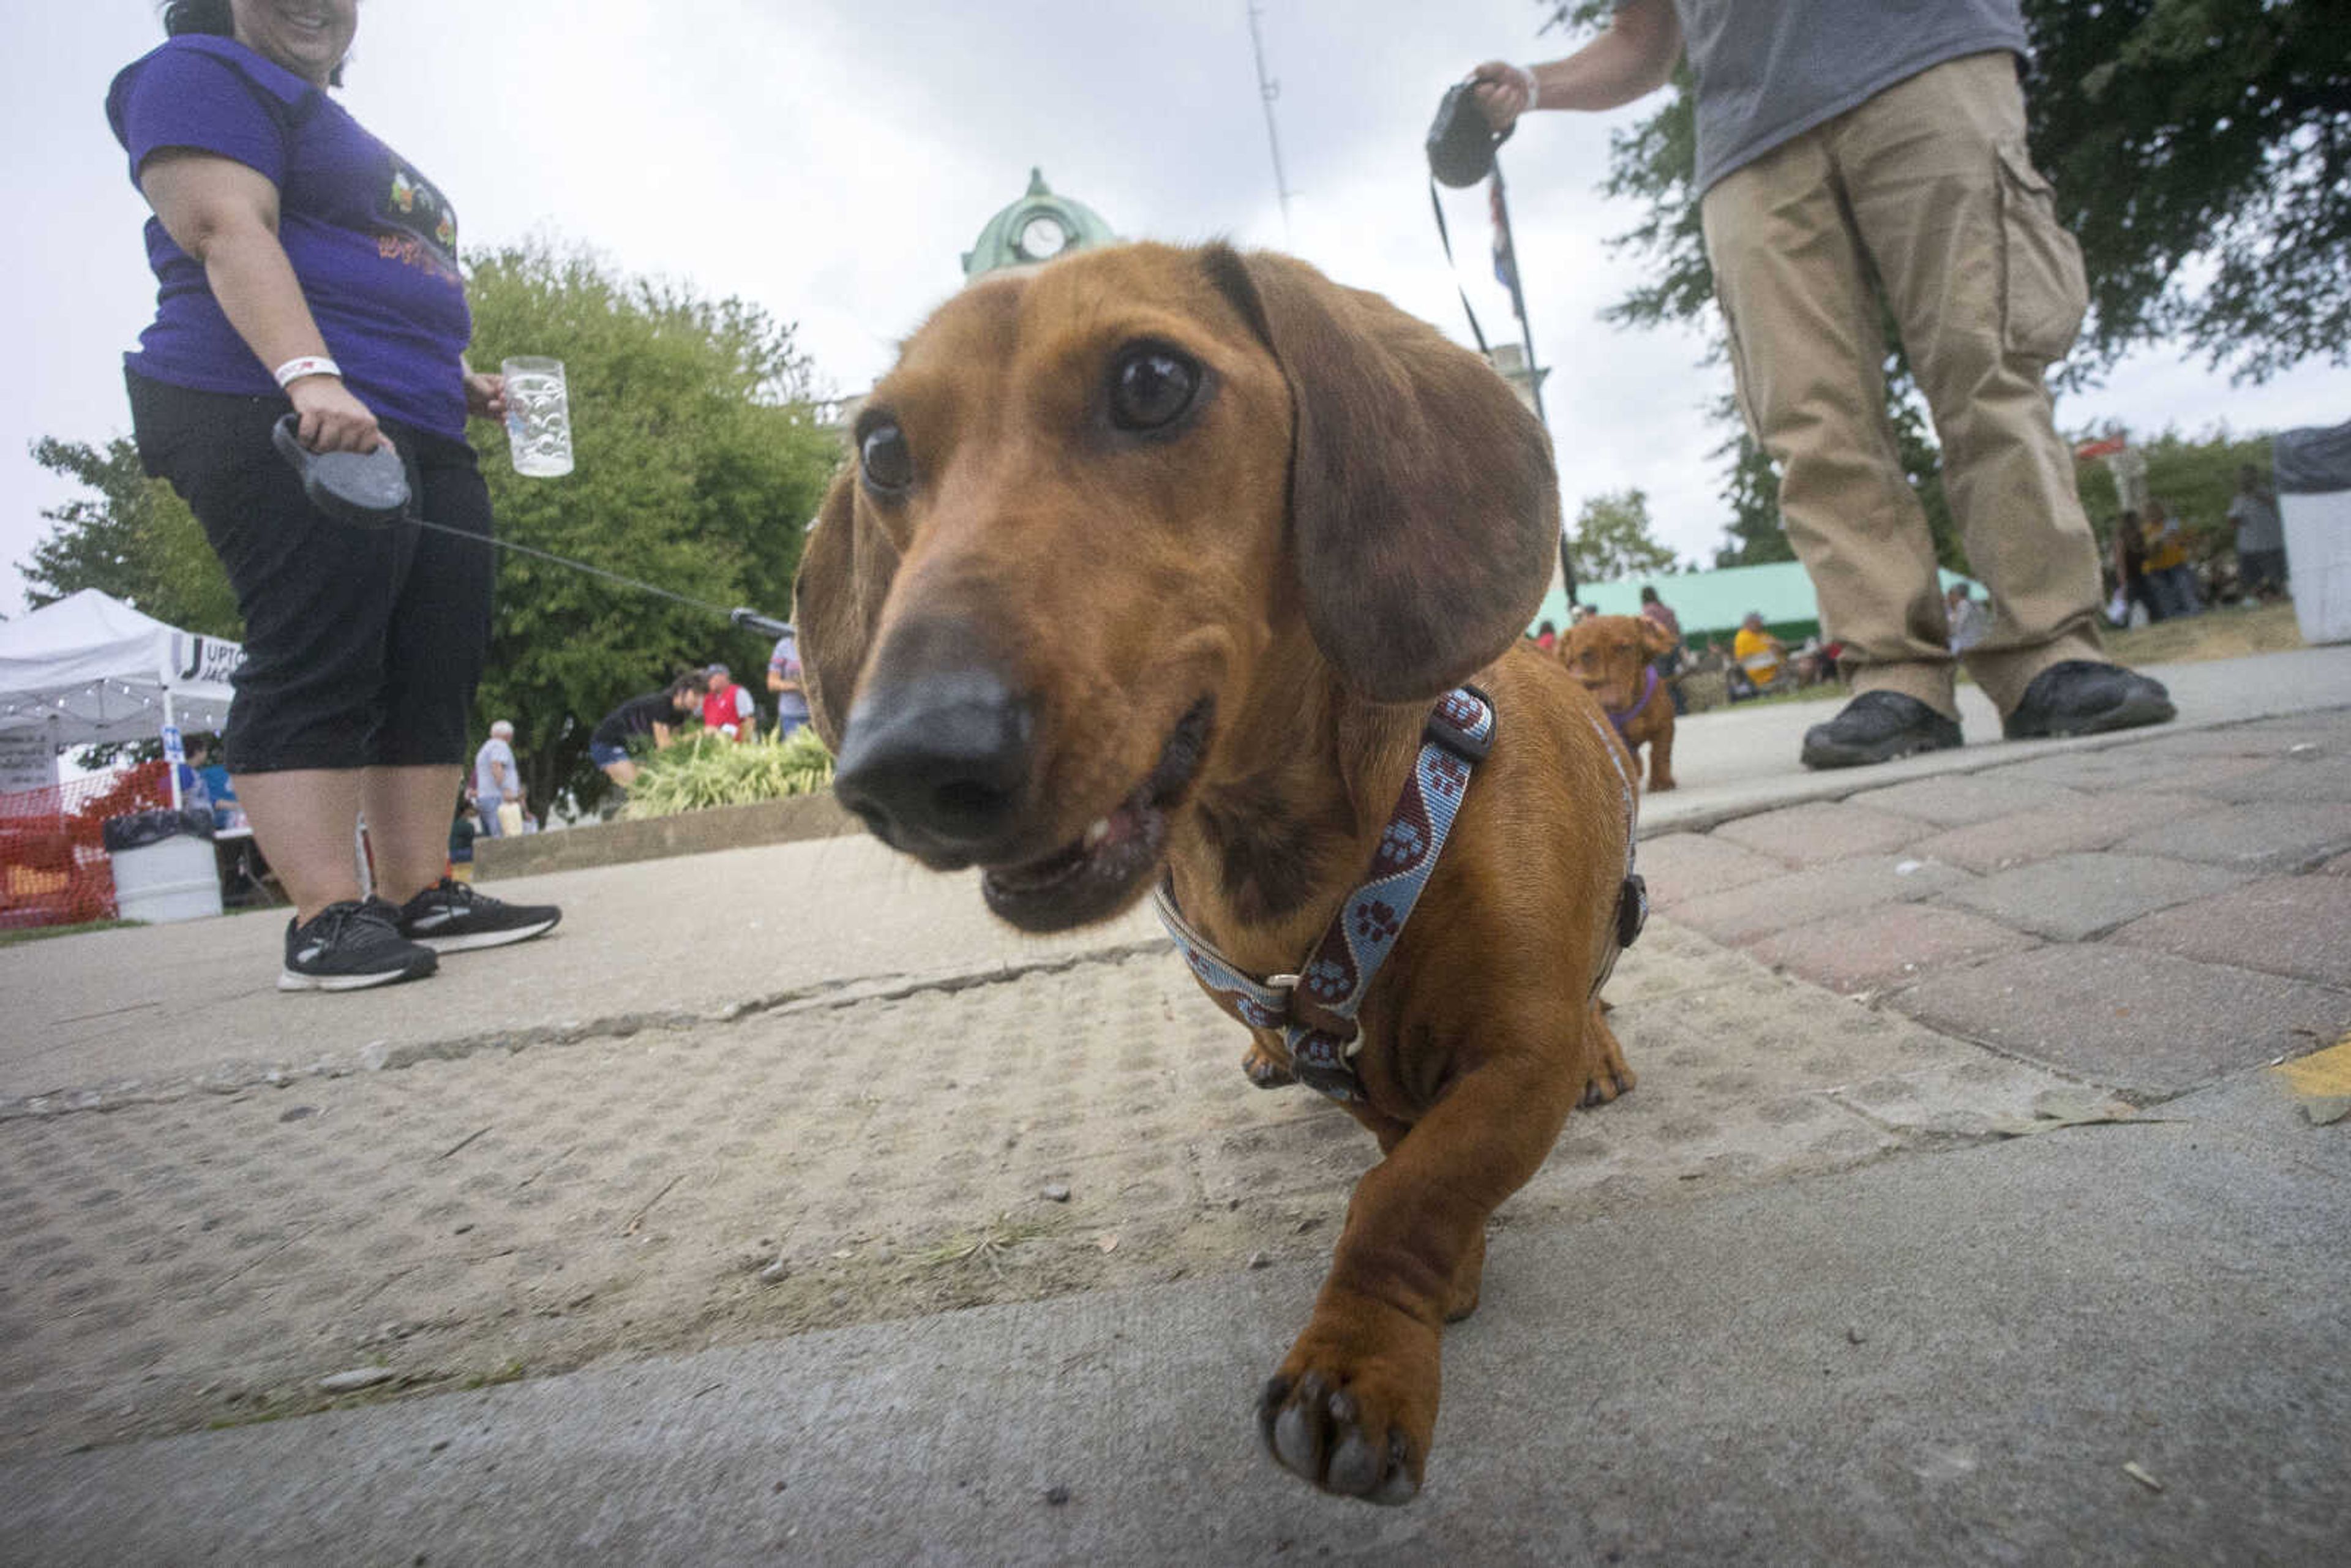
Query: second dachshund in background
{"x": 1615, "y": 656}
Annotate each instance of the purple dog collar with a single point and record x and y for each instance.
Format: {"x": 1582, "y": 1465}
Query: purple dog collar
{"x": 1648, "y": 691}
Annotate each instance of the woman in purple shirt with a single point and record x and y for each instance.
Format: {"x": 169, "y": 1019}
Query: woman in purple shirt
{"x": 303, "y": 266}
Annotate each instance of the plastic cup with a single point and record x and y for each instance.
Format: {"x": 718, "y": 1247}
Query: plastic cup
{"x": 538, "y": 417}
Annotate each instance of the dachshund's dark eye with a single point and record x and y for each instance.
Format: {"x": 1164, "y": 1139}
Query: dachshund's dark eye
{"x": 887, "y": 464}
{"x": 1151, "y": 387}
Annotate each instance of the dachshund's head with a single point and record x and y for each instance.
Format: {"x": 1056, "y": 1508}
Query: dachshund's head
{"x": 1101, "y": 511}
{"x": 1611, "y": 654}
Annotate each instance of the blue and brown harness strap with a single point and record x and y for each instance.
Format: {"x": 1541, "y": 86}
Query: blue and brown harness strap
{"x": 1315, "y": 1008}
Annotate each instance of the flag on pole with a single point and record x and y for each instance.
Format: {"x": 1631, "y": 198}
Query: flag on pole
{"x": 1506, "y": 261}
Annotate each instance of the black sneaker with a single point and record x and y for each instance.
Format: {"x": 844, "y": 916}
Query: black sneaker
{"x": 451, "y": 917}
{"x": 2082, "y": 696}
{"x": 350, "y": 946}
{"x": 1878, "y": 727}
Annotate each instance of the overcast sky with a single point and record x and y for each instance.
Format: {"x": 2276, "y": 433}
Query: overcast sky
{"x": 830, "y": 159}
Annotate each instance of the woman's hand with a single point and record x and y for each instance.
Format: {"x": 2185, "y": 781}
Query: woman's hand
{"x": 1503, "y": 92}
{"x": 486, "y": 395}
{"x": 333, "y": 419}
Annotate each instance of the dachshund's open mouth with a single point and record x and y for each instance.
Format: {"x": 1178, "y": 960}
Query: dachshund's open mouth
{"x": 1097, "y": 873}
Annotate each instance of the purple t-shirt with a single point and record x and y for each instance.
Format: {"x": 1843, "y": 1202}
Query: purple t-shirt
{"x": 373, "y": 243}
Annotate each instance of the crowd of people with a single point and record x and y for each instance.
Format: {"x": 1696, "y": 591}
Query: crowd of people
{"x": 1755, "y": 663}
{"x": 710, "y": 696}
{"x": 2159, "y": 568}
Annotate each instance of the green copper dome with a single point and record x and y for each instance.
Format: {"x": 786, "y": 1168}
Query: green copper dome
{"x": 1038, "y": 227}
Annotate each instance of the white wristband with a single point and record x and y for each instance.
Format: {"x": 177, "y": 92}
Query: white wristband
{"x": 293, "y": 370}
{"x": 1533, "y": 85}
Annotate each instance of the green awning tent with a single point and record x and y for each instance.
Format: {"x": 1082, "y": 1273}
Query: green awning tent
{"x": 1713, "y": 604}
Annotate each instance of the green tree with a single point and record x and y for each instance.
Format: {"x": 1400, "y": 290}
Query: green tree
{"x": 699, "y": 463}
{"x": 132, "y": 538}
{"x": 1612, "y": 538}
{"x": 2201, "y": 152}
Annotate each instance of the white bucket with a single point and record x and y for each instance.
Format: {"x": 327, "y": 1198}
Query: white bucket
{"x": 173, "y": 879}
{"x": 2318, "y": 562}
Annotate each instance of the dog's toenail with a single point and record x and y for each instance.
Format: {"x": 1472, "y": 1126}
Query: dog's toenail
{"x": 1295, "y": 1442}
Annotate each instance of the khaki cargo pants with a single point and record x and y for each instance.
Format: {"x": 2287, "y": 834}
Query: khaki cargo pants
{"x": 1923, "y": 194}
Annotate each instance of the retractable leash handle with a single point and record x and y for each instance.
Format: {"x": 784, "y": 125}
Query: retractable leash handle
{"x": 367, "y": 489}
{"x": 752, "y": 621}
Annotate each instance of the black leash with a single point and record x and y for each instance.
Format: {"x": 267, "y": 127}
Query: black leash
{"x": 1518, "y": 305}
{"x": 370, "y": 490}
{"x": 1445, "y": 237}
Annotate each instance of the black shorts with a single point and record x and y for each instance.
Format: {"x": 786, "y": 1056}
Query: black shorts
{"x": 362, "y": 646}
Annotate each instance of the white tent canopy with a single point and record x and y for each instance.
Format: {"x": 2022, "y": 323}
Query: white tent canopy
{"x": 89, "y": 668}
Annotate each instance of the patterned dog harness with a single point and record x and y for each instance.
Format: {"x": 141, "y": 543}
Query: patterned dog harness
{"x": 1647, "y": 691}
{"x": 1315, "y": 1008}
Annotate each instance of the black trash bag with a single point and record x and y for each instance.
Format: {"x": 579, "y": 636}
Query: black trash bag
{"x": 2312, "y": 462}
{"x": 140, "y": 829}
{"x": 1460, "y": 143}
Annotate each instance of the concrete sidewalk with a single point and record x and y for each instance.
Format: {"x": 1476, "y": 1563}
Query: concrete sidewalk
{"x": 1983, "y": 1146}
{"x": 2108, "y": 1345}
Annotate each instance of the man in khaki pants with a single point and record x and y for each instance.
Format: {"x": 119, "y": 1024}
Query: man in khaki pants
{"x": 1850, "y": 149}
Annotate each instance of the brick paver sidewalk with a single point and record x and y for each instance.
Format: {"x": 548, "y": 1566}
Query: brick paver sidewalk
{"x": 2149, "y": 916}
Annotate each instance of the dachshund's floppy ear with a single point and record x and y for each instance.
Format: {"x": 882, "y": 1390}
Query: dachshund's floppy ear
{"x": 1422, "y": 499}
{"x": 1656, "y": 639}
{"x": 844, "y": 577}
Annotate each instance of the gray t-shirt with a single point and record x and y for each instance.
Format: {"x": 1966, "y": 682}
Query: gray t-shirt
{"x": 486, "y": 779}
{"x": 2258, "y": 524}
{"x": 1769, "y": 70}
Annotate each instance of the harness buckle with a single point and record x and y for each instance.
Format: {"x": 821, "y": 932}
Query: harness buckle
{"x": 1449, "y": 724}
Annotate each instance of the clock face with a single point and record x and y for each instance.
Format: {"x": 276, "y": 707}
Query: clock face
{"x": 1042, "y": 237}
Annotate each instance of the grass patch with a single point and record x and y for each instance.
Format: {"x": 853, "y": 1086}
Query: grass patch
{"x": 2224, "y": 632}
{"x": 706, "y": 770}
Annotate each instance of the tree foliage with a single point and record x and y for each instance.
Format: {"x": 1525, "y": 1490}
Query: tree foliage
{"x": 699, "y": 463}
{"x": 2202, "y": 153}
{"x": 132, "y": 537}
{"x": 1612, "y": 538}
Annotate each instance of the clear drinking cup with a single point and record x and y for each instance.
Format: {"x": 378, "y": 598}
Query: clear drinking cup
{"x": 538, "y": 417}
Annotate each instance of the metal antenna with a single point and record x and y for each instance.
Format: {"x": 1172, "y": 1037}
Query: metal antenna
{"x": 1268, "y": 90}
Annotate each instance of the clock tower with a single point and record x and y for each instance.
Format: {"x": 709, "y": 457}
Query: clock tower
{"x": 1038, "y": 227}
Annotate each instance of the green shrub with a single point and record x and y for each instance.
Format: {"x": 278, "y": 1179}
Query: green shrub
{"x": 706, "y": 769}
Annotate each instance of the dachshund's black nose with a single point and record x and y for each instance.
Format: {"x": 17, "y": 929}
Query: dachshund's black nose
{"x": 937, "y": 762}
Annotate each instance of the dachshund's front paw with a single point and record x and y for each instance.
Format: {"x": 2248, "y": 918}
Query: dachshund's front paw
{"x": 1354, "y": 1427}
{"x": 1612, "y": 1079}
{"x": 1265, "y": 1070}
{"x": 1610, "y": 1076}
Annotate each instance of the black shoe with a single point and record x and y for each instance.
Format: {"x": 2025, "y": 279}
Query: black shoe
{"x": 2081, "y": 697}
{"x": 349, "y": 946}
{"x": 451, "y": 917}
{"x": 1878, "y": 727}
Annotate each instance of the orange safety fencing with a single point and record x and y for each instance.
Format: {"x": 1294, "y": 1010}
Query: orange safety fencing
{"x": 53, "y": 868}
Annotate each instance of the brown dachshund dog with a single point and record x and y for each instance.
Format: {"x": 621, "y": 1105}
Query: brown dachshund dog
{"x": 1615, "y": 656}
{"x": 1150, "y": 565}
